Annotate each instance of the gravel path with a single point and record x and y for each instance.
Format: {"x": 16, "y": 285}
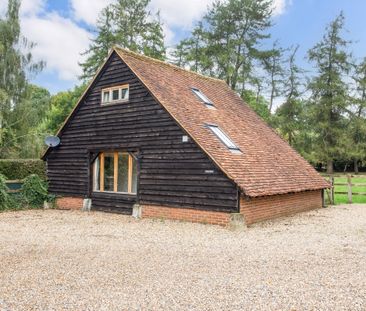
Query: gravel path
{"x": 62, "y": 260}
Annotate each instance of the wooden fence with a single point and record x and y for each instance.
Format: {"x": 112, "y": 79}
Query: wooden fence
{"x": 349, "y": 184}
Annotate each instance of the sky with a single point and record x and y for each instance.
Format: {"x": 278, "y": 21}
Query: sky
{"x": 62, "y": 29}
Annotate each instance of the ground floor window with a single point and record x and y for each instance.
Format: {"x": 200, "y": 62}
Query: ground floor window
{"x": 115, "y": 172}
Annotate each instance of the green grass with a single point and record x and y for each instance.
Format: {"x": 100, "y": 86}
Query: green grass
{"x": 343, "y": 198}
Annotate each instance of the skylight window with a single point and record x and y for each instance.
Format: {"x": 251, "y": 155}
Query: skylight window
{"x": 223, "y": 137}
{"x": 202, "y": 97}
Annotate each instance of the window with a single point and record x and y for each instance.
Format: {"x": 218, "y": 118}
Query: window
{"x": 202, "y": 97}
{"x": 115, "y": 94}
{"x": 105, "y": 96}
{"x": 223, "y": 137}
{"x": 115, "y": 172}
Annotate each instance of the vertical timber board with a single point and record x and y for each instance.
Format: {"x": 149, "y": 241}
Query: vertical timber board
{"x": 115, "y": 171}
{"x": 129, "y": 173}
{"x": 101, "y": 183}
{"x": 349, "y": 188}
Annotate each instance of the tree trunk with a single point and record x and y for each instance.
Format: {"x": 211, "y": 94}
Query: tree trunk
{"x": 355, "y": 164}
{"x": 330, "y": 167}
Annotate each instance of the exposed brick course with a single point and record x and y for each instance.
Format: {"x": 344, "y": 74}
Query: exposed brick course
{"x": 264, "y": 208}
{"x": 253, "y": 209}
{"x": 186, "y": 214}
{"x": 73, "y": 203}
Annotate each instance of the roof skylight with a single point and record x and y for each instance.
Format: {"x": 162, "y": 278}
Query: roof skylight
{"x": 202, "y": 97}
{"x": 223, "y": 137}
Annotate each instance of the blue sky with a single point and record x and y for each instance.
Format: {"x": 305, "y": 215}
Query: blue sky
{"x": 62, "y": 29}
{"x": 304, "y": 23}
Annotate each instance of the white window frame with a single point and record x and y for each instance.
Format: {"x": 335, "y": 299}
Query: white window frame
{"x": 224, "y": 138}
{"x": 110, "y": 90}
{"x": 202, "y": 97}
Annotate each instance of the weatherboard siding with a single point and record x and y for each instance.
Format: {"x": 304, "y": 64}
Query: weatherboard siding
{"x": 172, "y": 173}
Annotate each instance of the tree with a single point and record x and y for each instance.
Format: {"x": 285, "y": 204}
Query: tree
{"x": 272, "y": 61}
{"x": 60, "y": 107}
{"x": 129, "y": 24}
{"x": 29, "y": 113}
{"x": 357, "y": 123}
{"x": 329, "y": 93}
{"x": 100, "y": 46}
{"x": 226, "y": 42}
{"x": 289, "y": 116}
{"x": 16, "y": 63}
{"x": 179, "y": 55}
{"x": 194, "y": 52}
{"x": 258, "y": 104}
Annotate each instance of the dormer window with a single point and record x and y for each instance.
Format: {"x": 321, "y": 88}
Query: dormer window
{"x": 202, "y": 97}
{"x": 225, "y": 139}
{"x": 115, "y": 94}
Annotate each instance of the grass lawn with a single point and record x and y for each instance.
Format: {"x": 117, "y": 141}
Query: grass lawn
{"x": 343, "y": 198}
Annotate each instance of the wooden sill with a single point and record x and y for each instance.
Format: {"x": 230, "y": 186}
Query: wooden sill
{"x": 115, "y": 102}
{"x": 113, "y": 192}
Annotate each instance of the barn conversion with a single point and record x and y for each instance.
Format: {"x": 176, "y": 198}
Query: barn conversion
{"x": 155, "y": 139}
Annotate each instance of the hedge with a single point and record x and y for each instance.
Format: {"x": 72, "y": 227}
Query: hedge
{"x": 21, "y": 168}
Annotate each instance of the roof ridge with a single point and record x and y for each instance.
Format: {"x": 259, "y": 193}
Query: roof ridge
{"x": 149, "y": 58}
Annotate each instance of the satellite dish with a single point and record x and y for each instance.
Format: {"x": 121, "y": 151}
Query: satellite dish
{"x": 52, "y": 141}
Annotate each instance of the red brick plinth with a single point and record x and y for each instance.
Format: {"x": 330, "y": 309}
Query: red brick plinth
{"x": 269, "y": 207}
{"x": 186, "y": 214}
{"x": 73, "y": 203}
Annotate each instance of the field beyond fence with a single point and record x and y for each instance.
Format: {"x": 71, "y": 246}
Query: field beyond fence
{"x": 346, "y": 188}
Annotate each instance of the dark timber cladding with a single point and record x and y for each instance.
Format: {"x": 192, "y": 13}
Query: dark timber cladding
{"x": 171, "y": 172}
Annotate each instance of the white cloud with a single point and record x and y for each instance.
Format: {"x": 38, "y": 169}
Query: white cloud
{"x": 280, "y": 6}
{"x": 27, "y": 7}
{"x": 59, "y": 43}
{"x": 60, "y": 40}
{"x": 168, "y": 35}
{"x": 185, "y": 13}
{"x": 88, "y": 10}
{"x": 181, "y": 13}
{"x": 3, "y": 5}
{"x": 31, "y": 7}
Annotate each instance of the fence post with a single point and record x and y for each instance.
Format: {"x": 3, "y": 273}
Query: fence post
{"x": 349, "y": 182}
{"x": 332, "y": 190}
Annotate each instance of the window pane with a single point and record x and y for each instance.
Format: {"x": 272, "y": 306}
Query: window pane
{"x": 124, "y": 93}
{"x": 106, "y": 97}
{"x": 202, "y": 97}
{"x": 108, "y": 171}
{"x": 115, "y": 94}
{"x": 96, "y": 174}
{"x": 122, "y": 172}
{"x": 223, "y": 137}
{"x": 134, "y": 175}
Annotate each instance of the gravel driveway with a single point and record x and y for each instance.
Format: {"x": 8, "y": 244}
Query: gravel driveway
{"x": 62, "y": 260}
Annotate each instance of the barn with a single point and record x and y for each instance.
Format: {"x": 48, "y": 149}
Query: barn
{"x": 157, "y": 140}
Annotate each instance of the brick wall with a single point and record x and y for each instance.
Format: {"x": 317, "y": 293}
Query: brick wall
{"x": 264, "y": 208}
{"x": 254, "y": 210}
{"x": 74, "y": 203}
{"x": 186, "y": 214}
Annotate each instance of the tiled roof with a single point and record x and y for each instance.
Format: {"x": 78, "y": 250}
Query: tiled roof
{"x": 267, "y": 165}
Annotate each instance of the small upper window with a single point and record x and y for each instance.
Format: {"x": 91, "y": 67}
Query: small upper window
{"x": 115, "y": 94}
{"x": 223, "y": 137}
{"x": 202, "y": 97}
